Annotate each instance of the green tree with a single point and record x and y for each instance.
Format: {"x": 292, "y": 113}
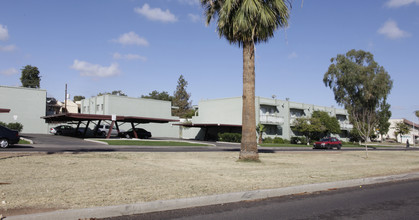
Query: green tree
{"x": 360, "y": 85}
{"x": 78, "y": 98}
{"x": 30, "y": 77}
{"x": 115, "y": 92}
{"x": 329, "y": 123}
{"x": 181, "y": 99}
{"x": 247, "y": 23}
{"x": 384, "y": 114}
{"x": 260, "y": 129}
{"x": 158, "y": 95}
{"x": 401, "y": 129}
{"x": 309, "y": 127}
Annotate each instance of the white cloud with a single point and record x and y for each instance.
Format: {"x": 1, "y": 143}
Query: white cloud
{"x": 156, "y": 14}
{"x": 118, "y": 56}
{"x": 4, "y": 33}
{"x": 292, "y": 55}
{"x": 194, "y": 17}
{"x": 392, "y": 31}
{"x": 88, "y": 69}
{"x": 400, "y": 3}
{"x": 9, "y": 72}
{"x": 7, "y": 48}
{"x": 131, "y": 38}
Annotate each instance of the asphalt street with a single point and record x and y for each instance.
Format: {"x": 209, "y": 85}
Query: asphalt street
{"x": 394, "y": 200}
{"x": 58, "y": 144}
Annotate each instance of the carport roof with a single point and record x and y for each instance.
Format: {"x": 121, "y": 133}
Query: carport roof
{"x": 65, "y": 117}
{"x": 204, "y": 125}
{"x": 4, "y": 110}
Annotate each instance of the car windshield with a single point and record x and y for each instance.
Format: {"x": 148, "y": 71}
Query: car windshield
{"x": 325, "y": 139}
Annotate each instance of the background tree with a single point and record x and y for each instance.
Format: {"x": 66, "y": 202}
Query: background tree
{"x": 30, "y": 77}
{"x": 384, "y": 114}
{"x": 181, "y": 99}
{"x": 308, "y": 127}
{"x": 158, "y": 95}
{"x": 247, "y": 23}
{"x": 330, "y": 124}
{"x": 360, "y": 85}
{"x": 78, "y": 98}
{"x": 115, "y": 92}
{"x": 401, "y": 129}
{"x": 260, "y": 129}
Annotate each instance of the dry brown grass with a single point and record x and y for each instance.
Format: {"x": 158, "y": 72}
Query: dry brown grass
{"x": 102, "y": 179}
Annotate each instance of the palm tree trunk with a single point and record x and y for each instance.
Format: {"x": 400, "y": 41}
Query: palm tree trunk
{"x": 249, "y": 149}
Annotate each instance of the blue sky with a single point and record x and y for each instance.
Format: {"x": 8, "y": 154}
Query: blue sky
{"x": 138, "y": 46}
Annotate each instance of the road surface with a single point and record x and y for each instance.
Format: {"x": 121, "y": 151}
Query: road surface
{"x": 395, "y": 200}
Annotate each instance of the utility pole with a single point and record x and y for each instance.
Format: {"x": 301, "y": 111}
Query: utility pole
{"x": 65, "y": 100}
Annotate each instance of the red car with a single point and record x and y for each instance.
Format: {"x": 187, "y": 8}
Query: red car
{"x": 328, "y": 143}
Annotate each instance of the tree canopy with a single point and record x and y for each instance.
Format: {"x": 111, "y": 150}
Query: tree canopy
{"x": 384, "y": 114}
{"x": 319, "y": 125}
{"x": 30, "y": 77}
{"x": 158, "y": 95}
{"x": 401, "y": 129}
{"x": 181, "y": 98}
{"x": 78, "y": 98}
{"x": 115, "y": 92}
{"x": 361, "y": 86}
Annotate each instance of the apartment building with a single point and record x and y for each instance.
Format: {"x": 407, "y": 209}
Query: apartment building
{"x": 276, "y": 115}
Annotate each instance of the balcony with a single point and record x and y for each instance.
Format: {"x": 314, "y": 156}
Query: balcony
{"x": 345, "y": 126}
{"x": 271, "y": 119}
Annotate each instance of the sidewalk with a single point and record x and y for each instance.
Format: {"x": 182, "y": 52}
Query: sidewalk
{"x": 164, "y": 205}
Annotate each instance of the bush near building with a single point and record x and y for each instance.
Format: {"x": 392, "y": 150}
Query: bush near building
{"x": 230, "y": 137}
{"x": 13, "y": 126}
{"x": 276, "y": 140}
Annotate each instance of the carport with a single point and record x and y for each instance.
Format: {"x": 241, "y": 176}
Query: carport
{"x": 211, "y": 129}
{"x": 4, "y": 110}
{"x": 115, "y": 120}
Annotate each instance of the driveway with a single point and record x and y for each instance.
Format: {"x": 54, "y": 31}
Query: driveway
{"x": 47, "y": 139}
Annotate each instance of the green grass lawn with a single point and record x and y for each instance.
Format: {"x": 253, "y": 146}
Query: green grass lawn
{"x": 151, "y": 143}
{"x": 21, "y": 141}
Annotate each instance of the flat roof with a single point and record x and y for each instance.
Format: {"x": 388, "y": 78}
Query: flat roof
{"x": 4, "y": 110}
{"x": 65, "y": 117}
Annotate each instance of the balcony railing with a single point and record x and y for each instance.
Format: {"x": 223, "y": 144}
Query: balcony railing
{"x": 345, "y": 126}
{"x": 271, "y": 119}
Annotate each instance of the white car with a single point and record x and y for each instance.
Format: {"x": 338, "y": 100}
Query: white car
{"x": 103, "y": 130}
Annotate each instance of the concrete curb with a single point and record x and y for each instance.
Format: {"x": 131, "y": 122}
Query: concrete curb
{"x": 164, "y": 205}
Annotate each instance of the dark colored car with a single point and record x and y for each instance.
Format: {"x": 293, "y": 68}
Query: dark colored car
{"x": 141, "y": 133}
{"x": 328, "y": 143}
{"x": 63, "y": 130}
{"x": 8, "y": 137}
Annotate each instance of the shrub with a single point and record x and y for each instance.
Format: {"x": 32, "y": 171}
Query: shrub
{"x": 230, "y": 137}
{"x": 298, "y": 140}
{"x": 14, "y": 126}
{"x": 276, "y": 140}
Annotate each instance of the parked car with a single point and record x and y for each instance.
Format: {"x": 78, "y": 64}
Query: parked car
{"x": 103, "y": 130}
{"x": 141, "y": 133}
{"x": 63, "y": 130}
{"x": 8, "y": 137}
{"x": 328, "y": 143}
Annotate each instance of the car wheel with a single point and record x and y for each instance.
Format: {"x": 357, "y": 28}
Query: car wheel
{"x": 59, "y": 133}
{"x": 339, "y": 146}
{"x": 330, "y": 147}
{"x": 127, "y": 136}
{"x": 4, "y": 143}
{"x": 103, "y": 134}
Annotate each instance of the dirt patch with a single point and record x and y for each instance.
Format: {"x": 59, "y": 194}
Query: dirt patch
{"x": 63, "y": 181}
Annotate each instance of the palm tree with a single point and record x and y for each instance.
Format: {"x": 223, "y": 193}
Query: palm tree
{"x": 246, "y": 23}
